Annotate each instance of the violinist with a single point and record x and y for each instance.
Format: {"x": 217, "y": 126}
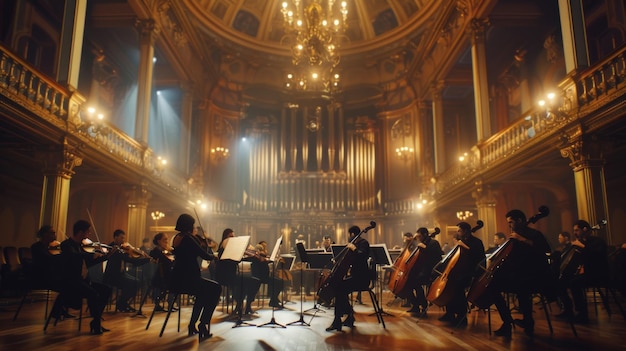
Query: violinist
{"x": 77, "y": 284}
{"x": 242, "y": 285}
{"x": 164, "y": 258}
{"x": 472, "y": 252}
{"x": 187, "y": 279}
{"x": 261, "y": 274}
{"x": 357, "y": 279}
{"x": 429, "y": 254}
{"x": 593, "y": 271}
{"x": 528, "y": 272}
{"x": 46, "y": 260}
{"x": 115, "y": 272}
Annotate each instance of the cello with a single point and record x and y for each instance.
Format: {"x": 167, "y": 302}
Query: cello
{"x": 571, "y": 260}
{"x": 479, "y": 293}
{"x": 440, "y": 293}
{"x": 343, "y": 261}
{"x": 404, "y": 264}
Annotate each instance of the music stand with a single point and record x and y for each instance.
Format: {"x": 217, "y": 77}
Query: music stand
{"x": 272, "y": 323}
{"x": 301, "y": 251}
{"x": 320, "y": 261}
{"x": 234, "y": 251}
{"x": 380, "y": 256}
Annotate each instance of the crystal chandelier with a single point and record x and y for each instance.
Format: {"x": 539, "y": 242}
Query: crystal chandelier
{"x": 314, "y": 32}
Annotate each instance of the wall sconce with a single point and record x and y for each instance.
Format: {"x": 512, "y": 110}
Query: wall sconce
{"x": 553, "y": 112}
{"x": 156, "y": 215}
{"x": 404, "y": 152}
{"x": 160, "y": 165}
{"x": 463, "y": 215}
{"x": 219, "y": 153}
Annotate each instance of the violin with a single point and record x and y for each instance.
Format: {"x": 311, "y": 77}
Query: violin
{"x": 480, "y": 291}
{"x": 54, "y": 247}
{"x": 440, "y": 292}
{"x": 131, "y": 251}
{"x": 95, "y": 247}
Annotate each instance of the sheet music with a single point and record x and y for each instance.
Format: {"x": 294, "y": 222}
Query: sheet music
{"x": 276, "y": 249}
{"x": 235, "y": 248}
{"x": 384, "y": 249}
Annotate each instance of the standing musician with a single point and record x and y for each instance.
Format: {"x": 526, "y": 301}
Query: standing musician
{"x": 357, "y": 279}
{"x": 77, "y": 284}
{"x": 115, "y": 272}
{"x": 528, "y": 272}
{"x": 593, "y": 271}
{"x": 162, "y": 254}
{"x": 430, "y": 254}
{"x": 472, "y": 252}
{"x": 186, "y": 277}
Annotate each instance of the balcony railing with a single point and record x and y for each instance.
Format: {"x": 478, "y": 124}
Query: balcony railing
{"x": 52, "y": 102}
{"x": 579, "y": 95}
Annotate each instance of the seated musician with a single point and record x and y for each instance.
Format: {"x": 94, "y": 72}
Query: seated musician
{"x": 186, "y": 277}
{"x": 162, "y": 254}
{"x": 357, "y": 279}
{"x": 472, "y": 252}
{"x": 45, "y": 265}
{"x": 594, "y": 271}
{"x": 498, "y": 239}
{"x": 527, "y": 272}
{"x": 77, "y": 284}
{"x": 430, "y": 253}
{"x": 260, "y": 268}
{"x": 242, "y": 285}
{"x": 115, "y": 273}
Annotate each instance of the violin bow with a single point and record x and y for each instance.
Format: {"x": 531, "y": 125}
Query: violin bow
{"x": 202, "y": 227}
{"x": 94, "y": 229}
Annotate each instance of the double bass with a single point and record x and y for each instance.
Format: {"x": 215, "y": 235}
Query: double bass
{"x": 343, "y": 261}
{"x": 480, "y": 291}
{"x": 440, "y": 292}
{"x": 404, "y": 264}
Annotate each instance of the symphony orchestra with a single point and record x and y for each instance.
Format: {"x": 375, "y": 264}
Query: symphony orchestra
{"x": 466, "y": 277}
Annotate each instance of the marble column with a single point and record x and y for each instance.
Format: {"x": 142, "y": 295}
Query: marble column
{"x": 71, "y": 43}
{"x": 58, "y": 170}
{"x": 574, "y": 35}
{"x": 481, "y": 85}
{"x": 485, "y": 196}
{"x": 138, "y": 197}
{"x": 587, "y": 162}
{"x": 147, "y": 36}
{"x": 438, "y": 129}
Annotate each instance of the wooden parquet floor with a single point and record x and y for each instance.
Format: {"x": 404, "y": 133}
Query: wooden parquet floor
{"x": 402, "y": 332}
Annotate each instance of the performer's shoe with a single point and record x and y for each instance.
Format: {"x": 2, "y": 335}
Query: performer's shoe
{"x": 349, "y": 322}
{"x": 529, "y": 326}
{"x": 192, "y": 330}
{"x": 414, "y": 309}
{"x": 335, "y": 326}
{"x": 203, "y": 332}
{"x": 504, "y": 330}
{"x": 447, "y": 317}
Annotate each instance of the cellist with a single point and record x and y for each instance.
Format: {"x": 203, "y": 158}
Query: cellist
{"x": 472, "y": 252}
{"x": 528, "y": 272}
{"x": 430, "y": 253}
{"x": 357, "y": 279}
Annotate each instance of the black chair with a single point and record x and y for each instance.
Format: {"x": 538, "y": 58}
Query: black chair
{"x": 58, "y": 304}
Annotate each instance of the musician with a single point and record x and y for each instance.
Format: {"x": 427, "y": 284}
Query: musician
{"x": 528, "y": 272}
{"x": 163, "y": 256}
{"x": 115, "y": 272}
{"x": 186, "y": 277}
{"x": 498, "y": 239}
{"x": 45, "y": 265}
{"x": 430, "y": 253}
{"x": 243, "y": 286}
{"x": 472, "y": 252}
{"x": 595, "y": 271}
{"x": 557, "y": 255}
{"x": 357, "y": 279}
{"x": 326, "y": 243}
{"x": 260, "y": 269}
{"x": 77, "y": 284}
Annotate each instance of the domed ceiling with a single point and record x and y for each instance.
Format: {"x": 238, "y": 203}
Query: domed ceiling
{"x": 259, "y": 24}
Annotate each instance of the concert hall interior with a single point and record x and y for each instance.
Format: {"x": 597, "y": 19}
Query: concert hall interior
{"x": 294, "y": 120}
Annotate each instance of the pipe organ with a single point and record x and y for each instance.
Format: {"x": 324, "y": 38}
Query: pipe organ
{"x": 310, "y": 159}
